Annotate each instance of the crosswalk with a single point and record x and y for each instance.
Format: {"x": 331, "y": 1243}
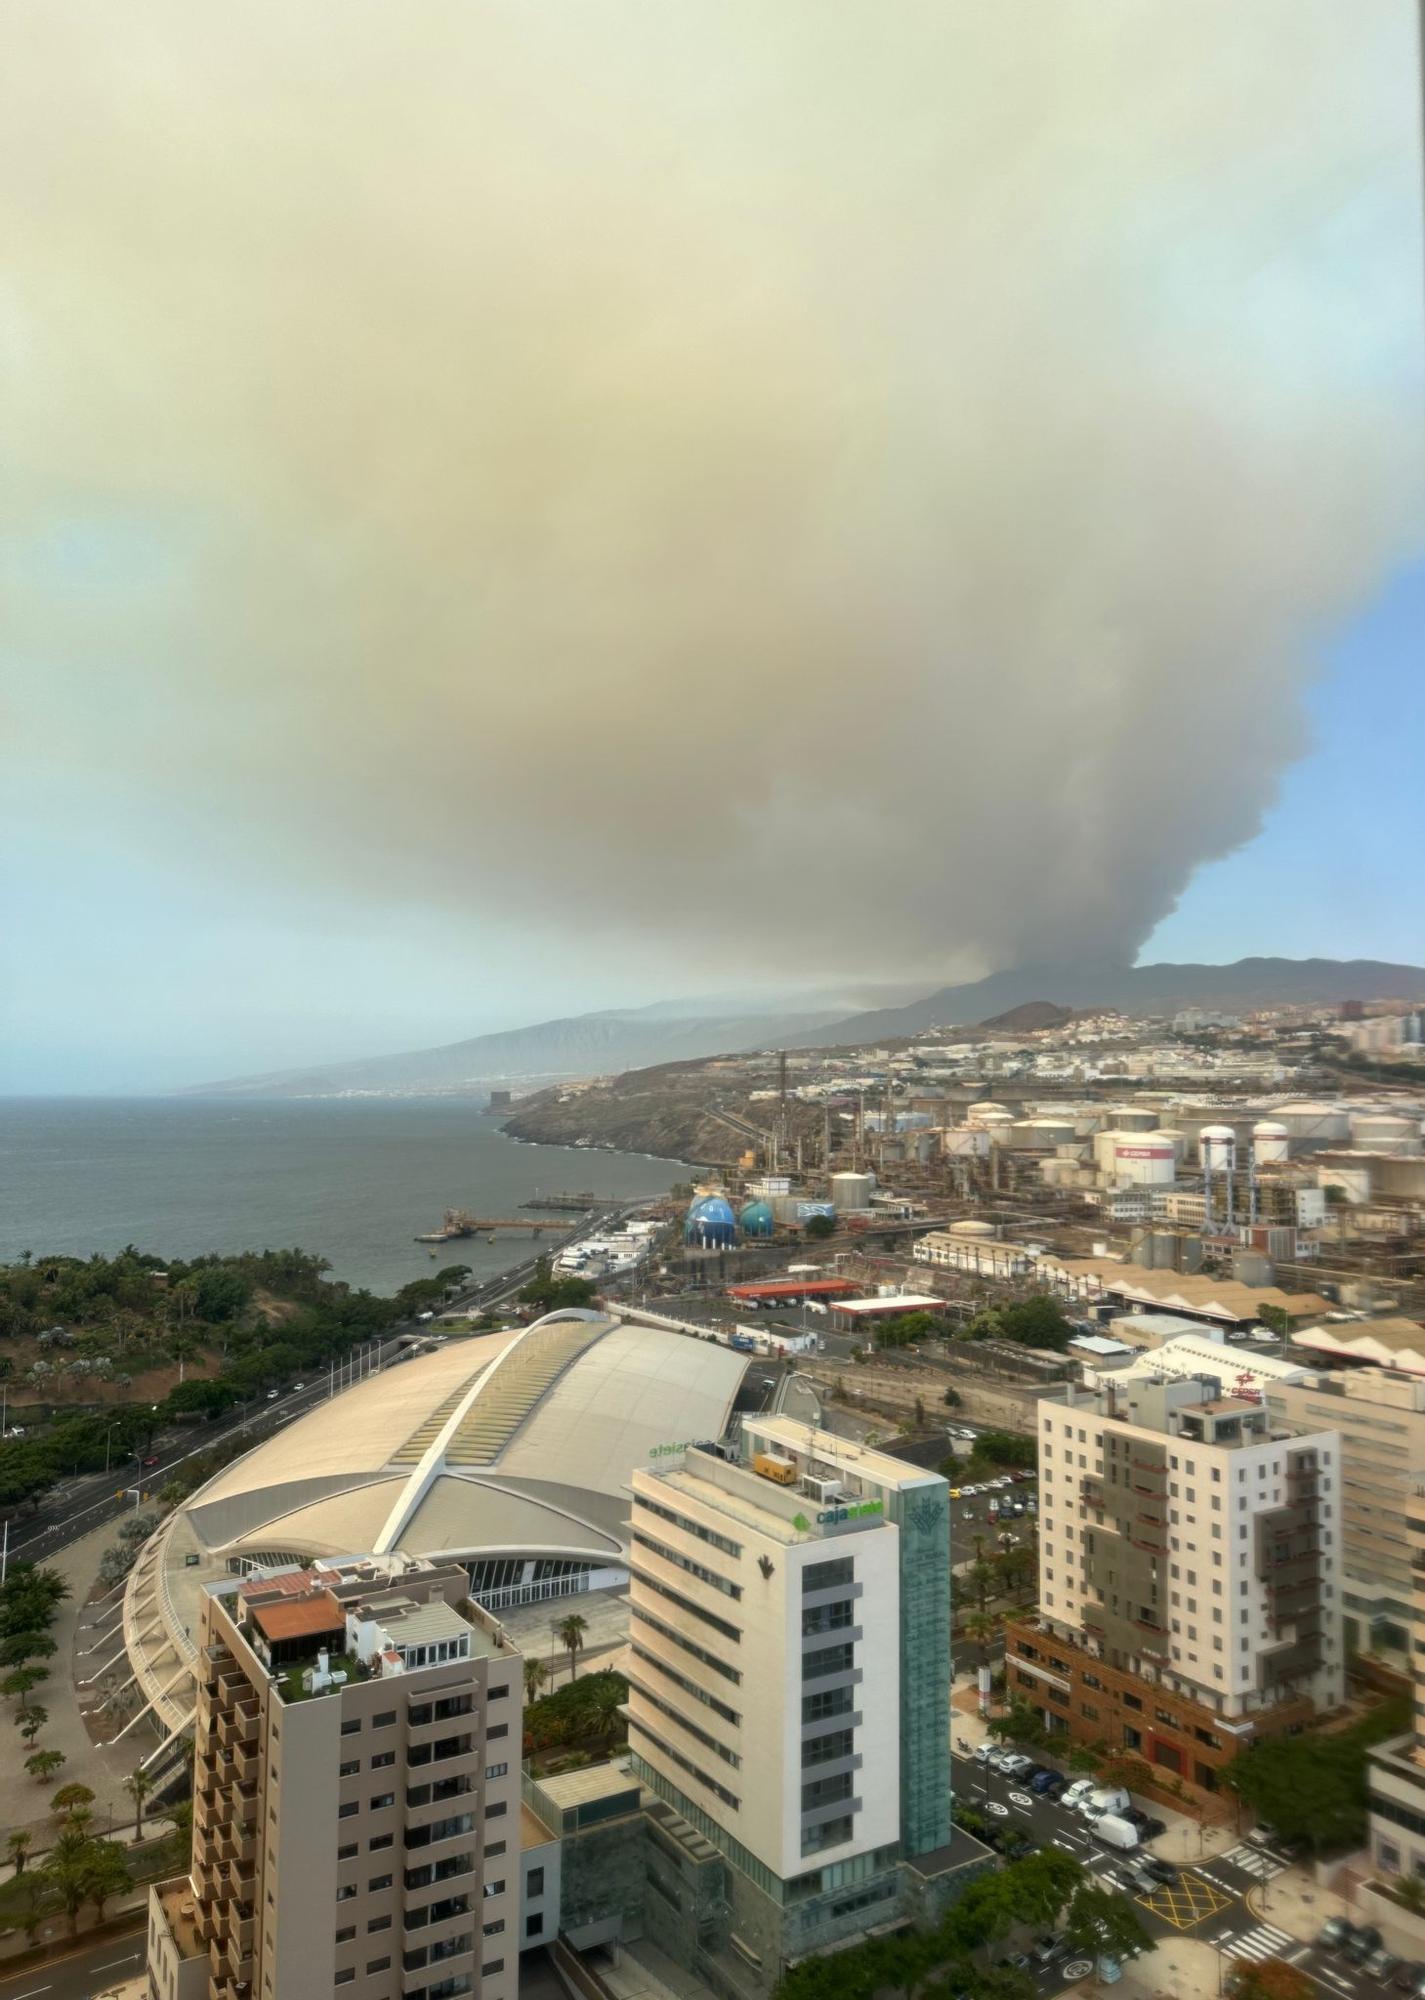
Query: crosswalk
{"x": 1255, "y": 1861}
{"x": 1265, "y": 1941}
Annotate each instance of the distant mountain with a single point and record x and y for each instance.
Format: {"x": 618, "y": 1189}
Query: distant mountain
{"x": 581, "y": 1045}
{"x": 1133, "y": 989}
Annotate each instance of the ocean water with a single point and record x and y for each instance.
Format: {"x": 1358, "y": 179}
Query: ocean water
{"x": 353, "y": 1180}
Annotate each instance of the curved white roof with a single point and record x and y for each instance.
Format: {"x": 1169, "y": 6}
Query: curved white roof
{"x": 524, "y": 1440}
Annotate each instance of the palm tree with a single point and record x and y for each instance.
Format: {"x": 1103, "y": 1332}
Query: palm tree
{"x": 607, "y": 1696}
{"x": 67, "y": 1873}
{"x": 981, "y": 1626}
{"x": 18, "y": 1846}
{"x": 108, "y": 1874}
{"x": 571, "y": 1637}
{"x": 35, "y": 1896}
{"x": 138, "y": 1785}
{"x": 535, "y": 1676}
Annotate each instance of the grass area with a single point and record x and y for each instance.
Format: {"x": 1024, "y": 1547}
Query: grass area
{"x": 290, "y": 1684}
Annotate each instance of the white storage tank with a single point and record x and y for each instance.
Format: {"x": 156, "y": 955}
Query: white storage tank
{"x": 964, "y": 1142}
{"x": 851, "y": 1192}
{"x": 988, "y": 1106}
{"x": 1324, "y": 1123}
{"x": 1179, "y": 1139}
{"x": 1271, "y": 1142}
{"x": 1052, "y": 1131}
{"x": 1133, "y": 1118}
{"x": 1058, "y": 1172}
{"x": 971, "y": 1228}
{"x": 1354, "y": 1182}
{"x": 1217, "y": 1148}
{"x": 1384, "y": 1132}
{"x": 1142, "y": 1159}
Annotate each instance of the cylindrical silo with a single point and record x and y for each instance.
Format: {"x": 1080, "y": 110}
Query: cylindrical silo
{"x": 1384, "y": 1132}
{"x": 1354, "y": 1182}
{"x": 1142, "y": 1159}
{"x": 1133, "y": 1118}
{"x": 1217, "y": 1149}
{"x": 1271, "y": 1142}
{"x": 852, "y": 1191}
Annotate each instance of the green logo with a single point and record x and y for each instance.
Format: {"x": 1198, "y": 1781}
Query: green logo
{"x": 801, "y": 1523}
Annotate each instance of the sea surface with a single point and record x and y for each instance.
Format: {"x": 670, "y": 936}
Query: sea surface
{"x": 353, "y": 1180}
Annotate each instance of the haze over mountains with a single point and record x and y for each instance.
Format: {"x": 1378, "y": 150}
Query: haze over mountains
{"x": 633, "y": 1038}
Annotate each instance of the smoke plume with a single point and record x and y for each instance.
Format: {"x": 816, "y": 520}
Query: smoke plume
{"x": 806, "y": 480}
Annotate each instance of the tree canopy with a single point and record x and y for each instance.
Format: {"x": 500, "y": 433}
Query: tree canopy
{"x": 1313, "y": 1787}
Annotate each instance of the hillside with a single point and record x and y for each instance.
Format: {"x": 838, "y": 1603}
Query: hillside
{"x": 667, "y": 1111}
{"x": 578, "y": 1045}
{"x": 1134, "y": 990}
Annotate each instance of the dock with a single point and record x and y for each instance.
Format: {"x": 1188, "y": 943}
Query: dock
{"x": 576, "y": 1203}
{"x": 459, "y": 1223}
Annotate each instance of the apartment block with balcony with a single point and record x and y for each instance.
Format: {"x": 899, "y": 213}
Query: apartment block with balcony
{"x": 1396, "y": 1770}
{"x": 356, "y": 1801}
{"x": 1189, "y": 1564}
{"x": 789, "y": 1687}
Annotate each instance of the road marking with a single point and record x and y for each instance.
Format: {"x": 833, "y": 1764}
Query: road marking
{"x": 33, "y": 1991}
{"x": 1187, "y": 1901}
{"x": 117, "y": 1961}
{"x": 1265, "y": 1941}
{"x": 1254, "y": 1861}
{"x": 1000, "y": 1812}
{"x": 1078, "y": 1968}
{"x": 1021, "y": 1799}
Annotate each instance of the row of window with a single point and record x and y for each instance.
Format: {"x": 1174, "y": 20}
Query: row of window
{"x": 689, "y": 1687}
{"x": 697, "y": 1569}
{"x": 709, "y": 1742}
{"x": 686, "y": 1764}
{"x": 688, "y": 1527}
{"x": 421, "y": 1712}
{"x": 709, "y": 1618}
{"x": 689, "y": 1646}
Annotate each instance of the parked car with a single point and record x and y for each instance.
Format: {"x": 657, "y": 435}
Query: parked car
{"x": 1077, "y": 1792}
{"x": 151, "y": 1460}
{"x": 1047, "y": 1949}
{"x": 1381, "y": 1966}
{"x": 1042, "y": 1780}
{"x": 1056, "y": 1787}
{"x": 1114, "y": 1832}
{"x": 1335, "y": 1934}
{"x": 1148, "y": 1827}
{"x": 984, "y": 1752}
{"x": 1017, "y": 1765}
{"x": 1367, "y": 1941}
{"x": 1105, "y": 1798}
{"x": 1263, "y": 1834}
{"x": 1409, "y": 1976}
{"x": 272, "y": 1395}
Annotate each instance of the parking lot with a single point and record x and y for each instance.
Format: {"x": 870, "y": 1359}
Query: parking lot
{"x": 1206, "y": 1898}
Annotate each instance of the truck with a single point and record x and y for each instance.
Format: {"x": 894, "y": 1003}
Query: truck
{"x": 742, "y": 1343}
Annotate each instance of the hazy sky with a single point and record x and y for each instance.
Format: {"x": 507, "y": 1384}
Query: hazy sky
{"x": 515, "y": 508}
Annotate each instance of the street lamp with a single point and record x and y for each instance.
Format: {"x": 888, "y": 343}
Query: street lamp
{"x": 107, "y": 1437}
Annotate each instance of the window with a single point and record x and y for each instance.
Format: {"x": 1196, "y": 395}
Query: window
{"x": 377, "y": 1965}
{"x": 827, "y": 1575}
{"x": 380, "y": 1840}
{"x": 377, "y": 1883}
{"x": 822, "y": 1707}
{"x": 496, "y": 1770}
{"x": 382, "y": 1759}
{"x": 345, "y": 1977}
{"x": 686, "y": 1563}
{"x": 384, "y": 1719}
{"x": 379, "y": 1924}
{"x": 497, "y": 1729}
{"x": 346, "y": 1934}
{"x": 349, "y": 1810}
{"x": 688, "y": 1527}
{"x": 496, "y": 1811}
{"x": 352, "y": 1726}
{"x": 492, "y": 1965}
{"x": 345, "y": 1893}
{"x": 381, "y": 1800}
{"x": 348, "y": 1851}
{"x": 349, "y": 1769}
{"x": 499, "y": 1693}
{"x": 494, "y": 1929}
{"x": 493, "y": 1847}
{"x": 533, "y": 1925}
{"x": 534, "y": 1882}
{"x": 495, "y": 1888}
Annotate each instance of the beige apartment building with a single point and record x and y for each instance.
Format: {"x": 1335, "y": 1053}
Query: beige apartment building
{"x": 356, "y": 1793}
{"x": 1189, "y": 1572}
{"x": 1397, "y": 1768}
{"x": 1380, "y": 1415}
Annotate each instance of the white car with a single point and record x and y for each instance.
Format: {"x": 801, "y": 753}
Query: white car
{"x": 984, "y": 1752}
{"x": 1073, "y": 1798}
{"x": 1017, "y": 1765}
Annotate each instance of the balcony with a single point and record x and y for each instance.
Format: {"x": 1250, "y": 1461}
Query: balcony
{"x": 238, "y": 1726}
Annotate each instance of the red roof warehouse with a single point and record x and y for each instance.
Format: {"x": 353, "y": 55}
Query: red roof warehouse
{"x": 795, "y": 1288}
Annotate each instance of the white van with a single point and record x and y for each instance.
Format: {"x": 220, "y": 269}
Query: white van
{"x": 1117, "y": 1833}
{"x": 1105, "y": 1799}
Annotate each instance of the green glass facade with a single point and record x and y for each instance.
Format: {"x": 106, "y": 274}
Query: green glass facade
{"x": 923, "y": 1516}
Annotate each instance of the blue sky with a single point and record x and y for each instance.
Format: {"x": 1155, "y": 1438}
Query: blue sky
{"x": 1337, "y": 868}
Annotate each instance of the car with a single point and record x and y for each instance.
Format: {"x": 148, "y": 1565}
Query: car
{"x": 1381, "y": 1966}
{"x": 1080, "y": 1789}
{"x": 1408, "y": 1976}
{"x": 1140, "y": 1876}
{"x": 272, "y": 1395}
{"x": 1057, "y": 1786}
{"x": 956, "y": 1493}
{"x": 1043, "y": 1780}
{"x": 1000, "y": 1756}
{"x": 1022, "y": 1961}
{"x": 1017, "y": 1765}
{"x": 1335, "y": 1934}
{"x": 1158, "y": 1868}
{"x": 1148, "y": 1827}
{"x": 1263, "y": 1834}
{"x": 1047, "y": 1949}
{"x": 151, "y": 1460}
{"x": 1367, "y": 1941}
{"x": 298, "y": 1385}
{"x": 984, "y": 1751}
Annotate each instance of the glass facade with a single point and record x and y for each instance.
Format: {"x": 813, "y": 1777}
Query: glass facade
{"x": 923, "y": 1516}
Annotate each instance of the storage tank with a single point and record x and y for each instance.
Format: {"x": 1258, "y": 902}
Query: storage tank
{"x": 1384, "y": 1132}
{"x": 1178, "y": 1138}
{"x": 710, "y": 1223}
{"x": 852, "y": 1191}
{"x": 1105, "y": 1146}
{"x": 988, "y": 1105}
{"x": 1271, "y": 1142}
{"x": 961, "y": 1142}
{"x": 1326, "y": 1124}
{"x": 1054, "y": 1131}
{"x": 1057, "y": 1172}
{"x": 757, "y": 1220}
{"x": 1132, "y": 1118}
{"x": 971, "y": 1228}
{"x": 1354, "y": 1182}
{"x": 1217, "y": 1148}
{"x": 1142, "y": 1159}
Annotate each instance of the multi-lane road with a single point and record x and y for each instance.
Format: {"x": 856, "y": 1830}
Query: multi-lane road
{"x": 1206, "y": 1901}
{"x": 84, "y": 1971}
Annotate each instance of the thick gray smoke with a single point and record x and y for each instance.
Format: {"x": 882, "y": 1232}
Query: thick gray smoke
{"x": 875, "y": 478}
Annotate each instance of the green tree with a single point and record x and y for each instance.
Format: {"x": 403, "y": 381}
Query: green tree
{"x": 22, "y": 1647}
{"x": 571, "y": 1637}
{"x": 817, "y": 1228}
{"x": 67, "y": 1872}
{"x": 1313, "y": 1787}
{"x": 71, "y": 1800}
{"x": 980, "y": 1579}
{"x": 42, "y": 1764}
{"x": 36, "y": 1902}
{"x": 17, "y": 1848}
{"x": 1006, "y": 1449}
{"x": 109, "y": 1874}
{"x": 952, "y": 1399}
{"x": 30, "y": 1720}
{"x": 1104, "y": 1924}
{"x": 535, "y": 1676}
{"x": 21, "y": 1681}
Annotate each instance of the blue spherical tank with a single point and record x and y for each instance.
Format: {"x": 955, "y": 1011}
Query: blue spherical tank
{"x": 710, "y": 1223}
{"x": 757, "y": 1219}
